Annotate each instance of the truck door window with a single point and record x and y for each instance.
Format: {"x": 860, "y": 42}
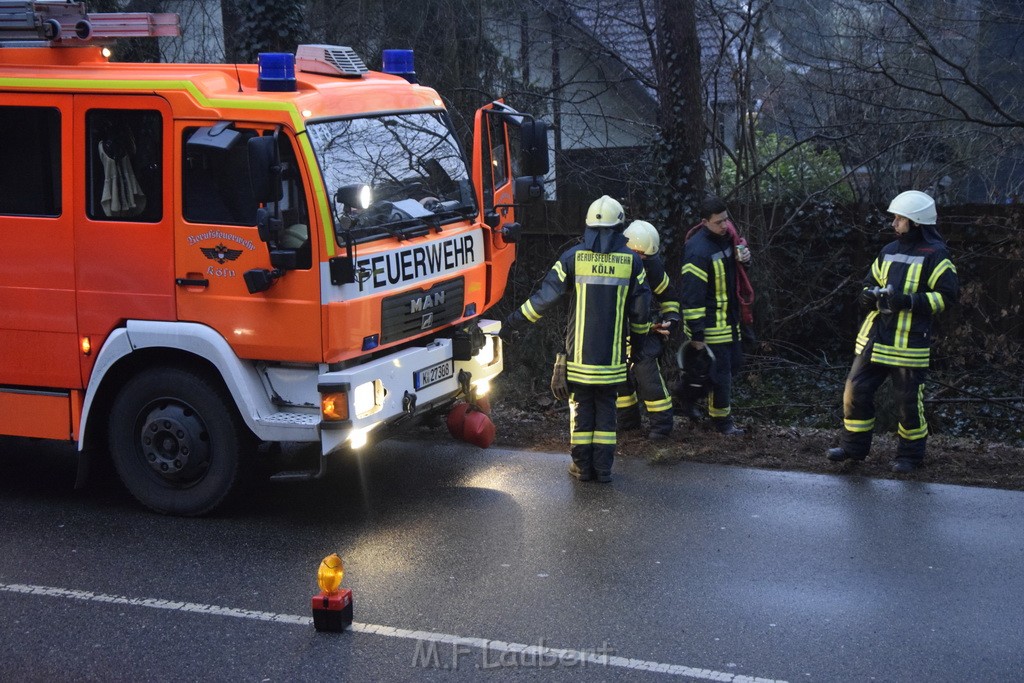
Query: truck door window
{"x": 216, "y": 189}
{"x": 124, "y": 169}
{"x": 215, "y": 184}
{"x": 30, "y": 174}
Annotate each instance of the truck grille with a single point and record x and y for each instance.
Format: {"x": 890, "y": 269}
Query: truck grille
{"x": 411, "y": 313}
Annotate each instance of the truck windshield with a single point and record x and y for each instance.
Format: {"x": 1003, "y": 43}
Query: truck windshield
{"x": 399, "y": 174}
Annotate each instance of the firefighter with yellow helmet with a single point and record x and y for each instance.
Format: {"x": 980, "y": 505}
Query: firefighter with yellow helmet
{"x": 911, "y": 281}
{"x": 646, "y": 382}
{"x": 612, "y": 305}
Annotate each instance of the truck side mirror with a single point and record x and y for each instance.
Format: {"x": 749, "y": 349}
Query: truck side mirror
{"x": 265, "y": 169}
{"x": 533, "y": 145}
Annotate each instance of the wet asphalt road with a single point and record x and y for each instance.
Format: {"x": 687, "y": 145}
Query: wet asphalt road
{"x": 700, "y": 571}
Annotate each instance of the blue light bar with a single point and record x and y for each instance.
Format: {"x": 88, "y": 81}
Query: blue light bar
{"x": 399, "y": 63}
{"x": 276, "y": 72}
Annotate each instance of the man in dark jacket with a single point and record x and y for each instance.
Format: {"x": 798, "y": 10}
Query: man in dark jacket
{"x": 613, "y": 300}
{"x": 711, "y": 306}
{"x": 647, "y": 383}
{"x": 912, "y": 280}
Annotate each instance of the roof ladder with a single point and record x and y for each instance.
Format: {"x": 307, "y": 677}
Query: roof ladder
{"x": 68, "y": 21}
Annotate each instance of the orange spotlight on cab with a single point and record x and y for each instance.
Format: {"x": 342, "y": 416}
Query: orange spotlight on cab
{"x": 332, "y": 608}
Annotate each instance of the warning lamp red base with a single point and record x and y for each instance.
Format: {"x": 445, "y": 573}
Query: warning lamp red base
{"x": 332, "y": 612}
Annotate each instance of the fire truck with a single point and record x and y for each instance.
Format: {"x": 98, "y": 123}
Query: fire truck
{"x": 201, "y": 257}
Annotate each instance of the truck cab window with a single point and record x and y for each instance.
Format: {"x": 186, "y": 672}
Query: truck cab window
{"x": 123, "y": 165}
{"x": 216, "y": 189}
{"x": 30, "y": 186}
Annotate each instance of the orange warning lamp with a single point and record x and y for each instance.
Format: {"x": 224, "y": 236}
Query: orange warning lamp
{"x": 330, "y": 574}
{"x": 332, "y": 608}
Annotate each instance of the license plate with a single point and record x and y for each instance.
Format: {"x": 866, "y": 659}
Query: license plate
{"x": 432, "y": 375}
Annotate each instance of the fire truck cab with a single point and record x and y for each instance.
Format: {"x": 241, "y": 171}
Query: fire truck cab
{"x": 198, "y": 257}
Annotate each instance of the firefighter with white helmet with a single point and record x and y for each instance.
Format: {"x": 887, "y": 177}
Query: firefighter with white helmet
{"x": 610, "y": 286}
{"x": 645, "y": 381}
{"x": 911, "y": 281}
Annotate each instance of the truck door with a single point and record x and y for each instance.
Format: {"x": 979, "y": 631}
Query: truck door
{"x": 123, "y": 250}
{"x": 216, "y": 242}
{"x": 38, "y": 332}
{"x": 492, "y": 176}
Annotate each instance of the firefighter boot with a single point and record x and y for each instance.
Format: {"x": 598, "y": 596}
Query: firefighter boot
{"x": 604, "y": 455}
{"x": 840, "y": 454}
{"x": 581, "y": 466}
{"x": 726, "y": 427}
{"x": 628, "y": 419}
{"x": 661, "y": 425}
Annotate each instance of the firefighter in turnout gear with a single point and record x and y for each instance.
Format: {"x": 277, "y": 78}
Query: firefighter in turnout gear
{"x": 910, "y": 282}
{"x": 612, "y": 303}
{"x": 711, "y": 305}
{"x": 645, "y": 372}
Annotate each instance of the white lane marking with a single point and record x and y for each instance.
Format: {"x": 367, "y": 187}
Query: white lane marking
{"x": 483, "y": 644}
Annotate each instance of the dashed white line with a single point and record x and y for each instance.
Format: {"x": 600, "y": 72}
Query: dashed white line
{"x": 489, "y": 646}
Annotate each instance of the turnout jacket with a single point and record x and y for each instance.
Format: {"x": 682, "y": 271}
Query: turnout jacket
{"x": 665, "y": 295}
{"x": 612, "y": 300}
{"x": 917, "y": 265}
{"x": 711, "y": 308}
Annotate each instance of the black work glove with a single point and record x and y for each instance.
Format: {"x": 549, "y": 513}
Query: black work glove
{"x": 559, "y": 383}
{"x": 508, "y": 331}
{"x": 868, "y": 298}
{"x": 900, "y": 302}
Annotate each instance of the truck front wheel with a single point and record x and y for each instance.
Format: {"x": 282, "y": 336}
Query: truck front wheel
{"x": 176, "y": 441}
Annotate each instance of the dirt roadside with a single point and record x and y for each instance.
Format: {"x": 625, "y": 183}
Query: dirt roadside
{"x": 966, "y": 462}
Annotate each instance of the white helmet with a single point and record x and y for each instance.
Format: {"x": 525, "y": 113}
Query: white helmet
{"x": 915, "y": 205}
{"x": 605, "y": 213}
{"x": 643, "y": 237}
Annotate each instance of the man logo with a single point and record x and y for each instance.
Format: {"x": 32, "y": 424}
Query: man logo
{"x": 427, "y": 321}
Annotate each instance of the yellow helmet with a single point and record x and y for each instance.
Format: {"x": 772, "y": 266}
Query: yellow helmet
{"x": 643, "y": 237}
{"x": 605, "y": 213}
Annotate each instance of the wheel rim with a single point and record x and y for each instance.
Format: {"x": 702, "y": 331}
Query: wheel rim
{"x": 174, "y": 442}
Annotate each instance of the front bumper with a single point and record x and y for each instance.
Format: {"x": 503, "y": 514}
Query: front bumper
{"x": 390, "y": 384}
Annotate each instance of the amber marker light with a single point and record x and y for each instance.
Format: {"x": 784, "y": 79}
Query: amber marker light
{"x": 332, "y": 608}
{"x": 86, "y": 346}
{"x": 334, "y": 406}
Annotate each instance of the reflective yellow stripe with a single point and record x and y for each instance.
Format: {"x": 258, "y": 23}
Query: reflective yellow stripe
{"x": 581, "y": 305}
{"x": 604, "y": 438}
{"x": 936, "y": 302}
{"x": 717, "y": 412}
{"x": 559, "y": 271}
{"x": 943, "y": 266}
{"x": 668, "y": 307}
{"x": 694, "y": 313}
{"x": 663, "y": 285}
{"x": 905, "y": 318}
{"x": 691, "y": 269}
{"x": 658, "y": 406}
{"x": 529, "y": 313}
{"x": 859, "y": 425}
{"x": 626, "y": 401}
{"x": 721, "y": 296}
{"x": 581, "y": 438}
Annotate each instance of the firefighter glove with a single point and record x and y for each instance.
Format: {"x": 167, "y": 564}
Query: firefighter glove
{"x": 559, "y": 383}
{"x": 868, "y": 297}
{"x": 900, "y": 302}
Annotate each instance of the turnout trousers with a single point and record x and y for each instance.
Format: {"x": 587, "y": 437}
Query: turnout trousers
{"x": 646, "y": 382}
{"x": 728, "y": 362}
{"x": 859, "y": 407}
{"x": 592, "y": 426}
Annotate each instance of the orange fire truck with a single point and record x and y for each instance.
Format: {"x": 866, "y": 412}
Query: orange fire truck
{"x": 199, "y": 256}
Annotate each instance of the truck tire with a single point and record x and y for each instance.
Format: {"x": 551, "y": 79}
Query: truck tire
{"x": 176, "y": 441}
